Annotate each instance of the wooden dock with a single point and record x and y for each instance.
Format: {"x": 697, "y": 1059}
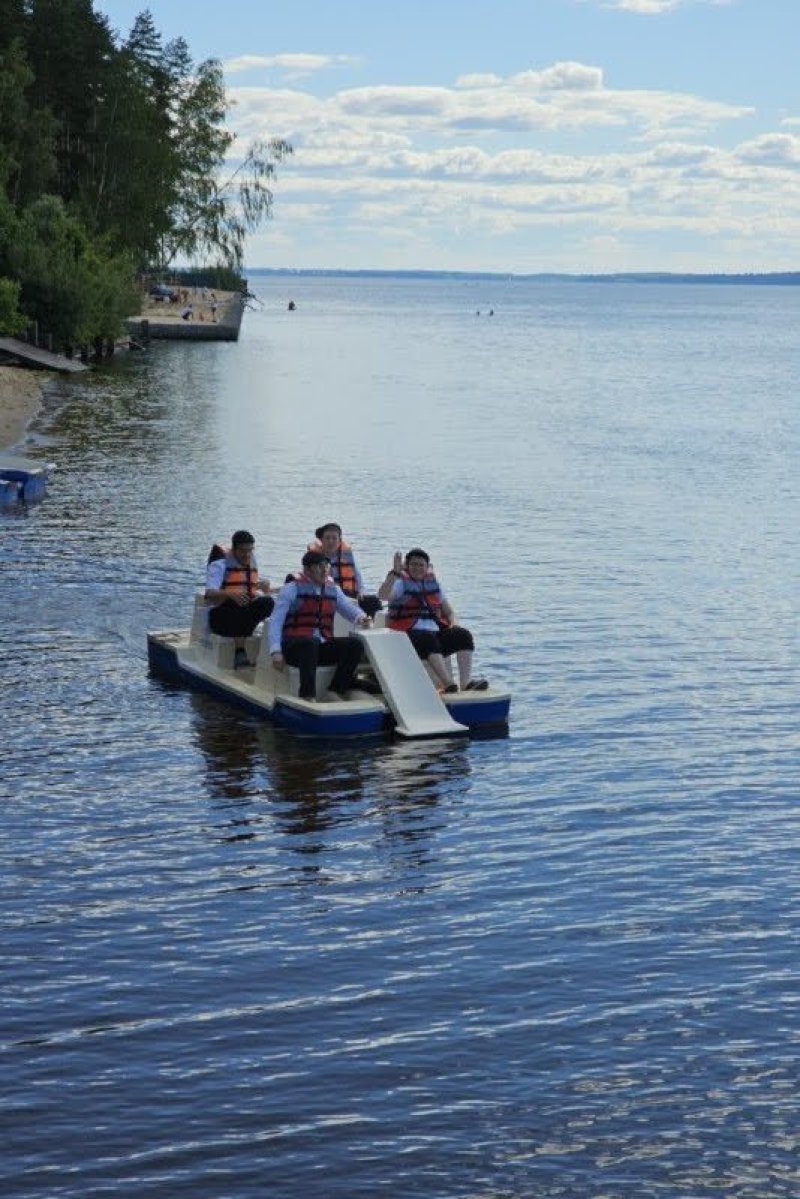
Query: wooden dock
{"x": 20, "y": 351}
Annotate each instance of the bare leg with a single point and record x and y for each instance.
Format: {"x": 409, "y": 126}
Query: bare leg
{"x": 464, "y": 660}
{"x": 437, "y": 665}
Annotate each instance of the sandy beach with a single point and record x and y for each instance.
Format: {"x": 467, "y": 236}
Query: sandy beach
{"x": 20, "y": 399}
{"x": 202, "y": 304}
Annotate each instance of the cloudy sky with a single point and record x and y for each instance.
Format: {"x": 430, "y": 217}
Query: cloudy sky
{"x": 514, "y": 135}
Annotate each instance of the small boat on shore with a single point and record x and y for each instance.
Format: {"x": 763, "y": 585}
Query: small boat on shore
{"x": 398, "y": 695}
{"x": 22, "y": 480}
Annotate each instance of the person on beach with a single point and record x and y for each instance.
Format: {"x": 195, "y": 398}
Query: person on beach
{"x": 301, "y": 628}
{"x": 343, "y": 566}
{"x": 419, "y": 608}
{"x": 240, "y": 599}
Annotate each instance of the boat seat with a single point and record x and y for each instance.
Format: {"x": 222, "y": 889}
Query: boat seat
{"x": 324, "y": 678}
{"x": 199, "y": 619}
{"x": 284, "y": 682}
{"x": 219, "y": 650}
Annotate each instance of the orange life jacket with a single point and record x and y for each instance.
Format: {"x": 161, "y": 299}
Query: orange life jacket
{"x": 239, "y": 578}
{"x": 312, "y": 609}
{"x": 343, "y": 567}
{"x": 419, "y": 601}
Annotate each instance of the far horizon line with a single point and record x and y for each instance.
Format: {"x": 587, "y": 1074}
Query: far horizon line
{"x": 789, "y": 277}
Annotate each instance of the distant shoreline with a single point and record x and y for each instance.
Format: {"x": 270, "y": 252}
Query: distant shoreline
{"x": 775, "y": 279}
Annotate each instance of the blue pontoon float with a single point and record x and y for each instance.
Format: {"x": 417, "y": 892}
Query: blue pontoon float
{"x": 22, "y": 480}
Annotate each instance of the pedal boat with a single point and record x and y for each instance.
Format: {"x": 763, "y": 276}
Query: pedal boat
{"x": 407, "y": 704}
{"x": 22, "y": 480}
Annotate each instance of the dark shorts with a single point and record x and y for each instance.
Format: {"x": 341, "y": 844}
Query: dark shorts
{"x": 445, "y": 642}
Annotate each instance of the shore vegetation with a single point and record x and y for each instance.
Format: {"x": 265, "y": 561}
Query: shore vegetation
{"x": 115, "y": 164}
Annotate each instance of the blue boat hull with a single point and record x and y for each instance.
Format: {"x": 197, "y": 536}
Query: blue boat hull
{"x": 164, "y": 662}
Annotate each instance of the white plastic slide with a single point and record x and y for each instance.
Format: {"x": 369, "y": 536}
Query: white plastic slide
{"x": 406, "y": 686}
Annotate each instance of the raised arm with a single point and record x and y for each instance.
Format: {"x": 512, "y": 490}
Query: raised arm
{"x": 393, "y": 574}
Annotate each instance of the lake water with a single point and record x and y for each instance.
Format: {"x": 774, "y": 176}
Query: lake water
{"x": 238, "y": 965}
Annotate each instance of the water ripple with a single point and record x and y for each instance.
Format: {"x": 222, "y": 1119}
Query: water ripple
{"x": 561, "y": 964}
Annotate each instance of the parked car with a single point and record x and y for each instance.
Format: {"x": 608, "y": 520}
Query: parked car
{"x": 160, "y": 291}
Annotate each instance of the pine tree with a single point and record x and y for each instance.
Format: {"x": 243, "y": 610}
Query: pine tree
{"x": 13, "y": 24}
{"x": 70, "y": 50}
{"x": 27, "y": 134}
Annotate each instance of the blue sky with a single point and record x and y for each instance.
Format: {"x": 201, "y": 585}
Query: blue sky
{"x": 514, "y": 135}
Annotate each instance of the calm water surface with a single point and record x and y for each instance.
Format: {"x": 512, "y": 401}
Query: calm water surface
{"x": 238, "y": 965}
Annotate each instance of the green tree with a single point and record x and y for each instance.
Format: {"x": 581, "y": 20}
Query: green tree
{"x": 11, "y": 319}
{"x": 27, "y": 135}
{"x": 76, "y": 290}
{"x": 71, "y": 52}
{"x": 13, "y": 22}
{"x": 213, "y": 216}
{"x": 112, "y": 156}
{"x": 128, "y": 195}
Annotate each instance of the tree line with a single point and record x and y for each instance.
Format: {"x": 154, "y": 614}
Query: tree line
{"x": 111, "y": 165}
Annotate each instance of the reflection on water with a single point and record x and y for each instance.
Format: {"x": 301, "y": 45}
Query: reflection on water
{"x": 262, "y": 781}
{"x": 230, "y": 748}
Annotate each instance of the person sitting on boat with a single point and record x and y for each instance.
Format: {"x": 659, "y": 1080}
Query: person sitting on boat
{"x": 419, "y": 607}
{"x": 301, "y": 628}
{"x": 343, "y": 566}
{"x": 240, "y": 599}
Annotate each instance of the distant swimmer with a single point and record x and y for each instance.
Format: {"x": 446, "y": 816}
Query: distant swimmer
{"x": 292, "y": 305}
{"x": 491, "y": 312}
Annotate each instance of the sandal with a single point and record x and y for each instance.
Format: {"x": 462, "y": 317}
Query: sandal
{"x": 477, "y": 685}
{"x": 450, "y": 689}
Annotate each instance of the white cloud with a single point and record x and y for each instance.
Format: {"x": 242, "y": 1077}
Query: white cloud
{"x": 651, "y": 8}
{"x": 646, "y": 7}
{"x": 479, "y": 80}
{"x": 568, "y": 76}
{"x": 403, "y": 102}
{"x": 678, "y": 154}
{"x": 532, "y": 154}
{"x": 293, "y": 66}
{"x": 777, "y": 149}
{"x": 673, "y": 187}
{"x": 566, "y": 96}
